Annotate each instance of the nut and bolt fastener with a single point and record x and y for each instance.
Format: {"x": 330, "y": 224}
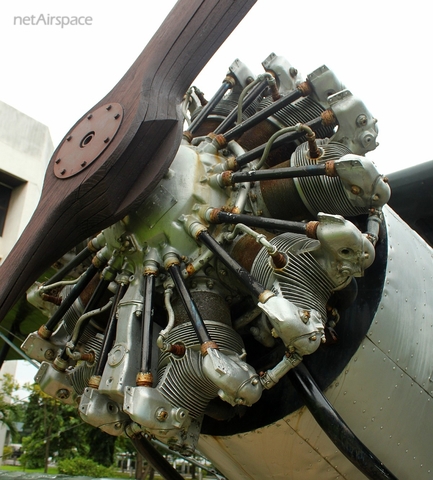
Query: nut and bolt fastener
{"x": 49, "y": 354}
{"x": 162, "y": 415}
{"x": 62, "y": 394}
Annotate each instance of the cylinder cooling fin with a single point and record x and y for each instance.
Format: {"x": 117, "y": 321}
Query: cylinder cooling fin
{"x": 266, "y": 243}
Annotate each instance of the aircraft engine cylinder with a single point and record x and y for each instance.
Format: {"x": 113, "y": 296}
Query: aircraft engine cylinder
{"x": 306, "y": 290}
{"x": 323, "y": 194}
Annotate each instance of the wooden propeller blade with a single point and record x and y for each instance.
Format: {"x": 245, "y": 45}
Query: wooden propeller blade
{"x": 117, "y": 152}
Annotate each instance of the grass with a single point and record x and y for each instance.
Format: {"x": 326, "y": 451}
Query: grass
{"x": 20, "y": 468}
{"x": 55, "y": 471}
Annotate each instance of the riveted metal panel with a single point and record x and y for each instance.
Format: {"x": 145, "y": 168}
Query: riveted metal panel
{"x": 387, "y": 410}
{"x": 276, "y": 452}
{"x": 406, "y": 335}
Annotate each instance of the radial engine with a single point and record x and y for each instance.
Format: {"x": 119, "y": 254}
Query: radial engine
{"x": 241, "y": 262}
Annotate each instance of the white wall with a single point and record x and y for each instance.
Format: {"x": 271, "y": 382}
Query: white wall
{"x": 25, "y": 149}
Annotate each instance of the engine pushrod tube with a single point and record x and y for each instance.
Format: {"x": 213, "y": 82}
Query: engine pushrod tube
{"x": 158, "y": 462}
{"x": 279, "y": 173}
{"x": 335, "y": 427}
{"x": 189, "y": 304}
{"x": 260, "y": 222}
{"x": 70, "y": 299}
{"x": 207, "y": 109}
{"x": 243, "y": 275}
{"x": 261, "y": 115}
{"x": 86, "y": 252}
{"x": 286, "y": 138}
{"x": 249, "y": 99}
{"x": 147, "y": 323}
{"x": 110, "y": 331}
{"x": 97, "y": 295}
{"x": 93, "y": 302}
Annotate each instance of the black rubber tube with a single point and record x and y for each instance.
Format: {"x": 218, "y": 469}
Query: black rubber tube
{"x": 230, "y": 120}
{"x": 147, "y": 323}
{"x": 262, "y": 222}
{"x": 158, "y": 462}
{"x": 189, "y": 304}
{"x": 261, "y": 115}
{"x": 86, "y": 252}
{"x": 244, "y": 276}
{"x": 110, "y": 331}
{"x": 257, "y": 152}
{"x": 207, "y": 109}
{"x": 70, "y": 299}
{"x": 279, "y": 173}
{"x": 335, "y": 427}
{"x": 97, "y": 294}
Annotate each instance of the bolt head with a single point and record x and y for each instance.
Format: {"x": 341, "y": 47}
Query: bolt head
{"x": 293, "y": 72}
{"x": 49, "y": 354}
{"x": 361, "y": 121}
{"x": 62, "y": 394}
{"x": 161, "y": 415}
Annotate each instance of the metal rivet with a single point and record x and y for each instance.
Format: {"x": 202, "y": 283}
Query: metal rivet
{"x": 107, "y": 140}
{"x": 89, "y": 116}
{"x": 63, "y": 171}
{"x": 117, "y": 116}
{"x": 109, "y": 107}
{"x": 58, "y": 161}
{"x": 84, "y": 164}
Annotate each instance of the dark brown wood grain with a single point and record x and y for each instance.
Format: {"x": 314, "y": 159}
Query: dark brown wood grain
{"x": 72, "y": 209}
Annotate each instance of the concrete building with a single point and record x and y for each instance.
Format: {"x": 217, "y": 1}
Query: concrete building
{"x": 25, "y": 149}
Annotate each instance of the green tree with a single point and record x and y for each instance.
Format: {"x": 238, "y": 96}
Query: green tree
{"x": 101, "y": 446}
{"x": 55, "y": 430}
{"x": 10, "y": 412}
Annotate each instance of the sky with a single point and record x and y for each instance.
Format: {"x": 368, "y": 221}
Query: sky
{"x": 378, "y": 49}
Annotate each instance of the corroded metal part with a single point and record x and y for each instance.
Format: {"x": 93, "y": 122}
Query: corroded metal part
{"x": 144, "y": 379}
{"x": 87, "y": 140}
